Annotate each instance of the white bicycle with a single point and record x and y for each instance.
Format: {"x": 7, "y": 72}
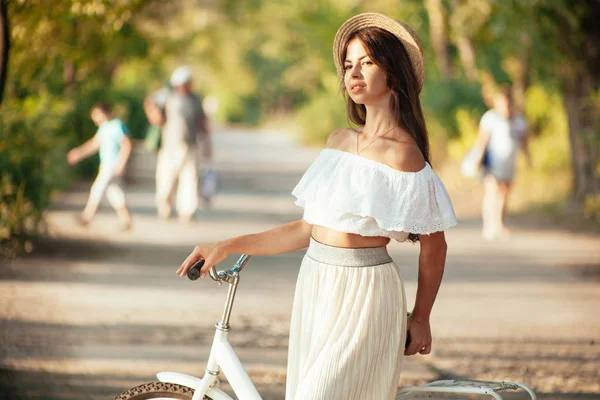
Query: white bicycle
{"x": 177, "y": 386}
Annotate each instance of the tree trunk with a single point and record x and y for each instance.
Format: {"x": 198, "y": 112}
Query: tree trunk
{"x": 583, "y": 135}
{"x": 439, "y": 36}
{"x": 466, "y": 53}
{"x": 464, "y": 44}
{"x": 110, "y": 70}
{"x": 4, "y": 47}
{"x": 520, "y": 77}
{"x": 69, "y": 74}
{"x": 69, "y": 67}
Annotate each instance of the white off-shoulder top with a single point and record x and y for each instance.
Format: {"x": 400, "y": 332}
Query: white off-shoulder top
{"x": 353, "y": 194}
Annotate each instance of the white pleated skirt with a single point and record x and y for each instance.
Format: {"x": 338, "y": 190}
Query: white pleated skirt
{"x": 348, "y": 326}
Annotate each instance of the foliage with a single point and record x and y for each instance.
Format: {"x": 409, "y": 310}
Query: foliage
{"x": 63, "y": 60}
{"x": 323, "y": 114}
{"x": 32, "y": 164}
{"x": 264, "y": 58}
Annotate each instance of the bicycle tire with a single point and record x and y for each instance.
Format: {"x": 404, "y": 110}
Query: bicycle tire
{"x": 158, "y": 390}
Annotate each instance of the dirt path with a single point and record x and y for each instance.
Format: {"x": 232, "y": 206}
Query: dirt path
{"x": 98, "y": 311}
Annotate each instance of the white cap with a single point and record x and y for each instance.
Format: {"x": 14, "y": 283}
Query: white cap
{"x": 181, "y": 76}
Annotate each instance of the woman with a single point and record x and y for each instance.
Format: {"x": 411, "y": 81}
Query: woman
{"x": 501, "y": 134}
{"x": 349, "y": 320}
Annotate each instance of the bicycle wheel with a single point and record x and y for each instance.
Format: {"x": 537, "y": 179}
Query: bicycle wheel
{"x": 156, "y": 391}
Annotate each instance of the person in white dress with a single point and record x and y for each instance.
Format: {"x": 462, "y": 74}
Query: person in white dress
{"x": 370, "y": 185}
{"x": 502, "y": 133}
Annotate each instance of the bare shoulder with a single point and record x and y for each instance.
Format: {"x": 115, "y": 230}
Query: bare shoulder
{"x": 404, "y": 156}
{"x": 337, "y": 139}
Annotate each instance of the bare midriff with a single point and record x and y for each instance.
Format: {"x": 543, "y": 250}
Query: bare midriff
{"x": 335, "y": 238}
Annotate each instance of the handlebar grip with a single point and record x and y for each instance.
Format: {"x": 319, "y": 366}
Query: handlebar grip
{"x": 194, "y": 272}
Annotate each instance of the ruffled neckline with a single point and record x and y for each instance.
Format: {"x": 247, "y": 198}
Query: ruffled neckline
{"x": 343, "y": 183}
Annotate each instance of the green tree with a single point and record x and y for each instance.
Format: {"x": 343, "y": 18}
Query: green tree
{"x": 66, "y": 53}
{"x": 4, "y": 47}
{"x": 573, "y": 28}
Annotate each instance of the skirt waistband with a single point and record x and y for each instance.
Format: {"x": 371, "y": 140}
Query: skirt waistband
{"x": 347, "y": 257}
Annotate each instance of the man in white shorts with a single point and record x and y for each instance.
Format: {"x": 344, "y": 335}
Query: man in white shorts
{"x": 184, "y": 127}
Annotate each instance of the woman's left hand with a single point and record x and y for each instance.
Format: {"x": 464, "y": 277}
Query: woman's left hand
{"x": 420, "y": 336}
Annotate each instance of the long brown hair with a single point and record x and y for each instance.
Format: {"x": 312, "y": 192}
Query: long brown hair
{"x": 389, "y": 54}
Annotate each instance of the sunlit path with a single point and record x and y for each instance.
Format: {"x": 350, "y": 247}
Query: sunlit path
{"x": 98, "y": 310}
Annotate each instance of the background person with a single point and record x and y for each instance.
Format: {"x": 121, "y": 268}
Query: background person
{"x": 502, "y": 132}
{"x": 184, "y": 128}
{"x": 115, "y": 146}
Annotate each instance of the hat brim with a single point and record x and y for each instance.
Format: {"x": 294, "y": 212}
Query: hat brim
{"x": 407, "y": 36}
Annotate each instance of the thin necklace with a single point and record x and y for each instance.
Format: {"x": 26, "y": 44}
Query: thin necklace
{"x": 371, "y": 142}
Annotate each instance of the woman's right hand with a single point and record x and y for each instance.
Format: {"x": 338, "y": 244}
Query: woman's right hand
{"x": 211, "y": 253}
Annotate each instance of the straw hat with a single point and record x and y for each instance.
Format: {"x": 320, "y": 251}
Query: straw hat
{"x": 406, "y": 35}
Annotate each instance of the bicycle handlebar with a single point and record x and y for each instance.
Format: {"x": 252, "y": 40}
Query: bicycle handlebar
{"x": 194, "y": 272}
{"x": 218, "y": 276}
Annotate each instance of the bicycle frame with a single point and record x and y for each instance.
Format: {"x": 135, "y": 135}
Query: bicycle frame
{"x": 222, "y": 356}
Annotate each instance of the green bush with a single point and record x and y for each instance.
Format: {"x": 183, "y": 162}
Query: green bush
{"x": 32, "y": 165}
{"x": 441, "y": 101}
{"x": 322, "y": 114}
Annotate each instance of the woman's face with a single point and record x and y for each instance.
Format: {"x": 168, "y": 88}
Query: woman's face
{"x": 365, "y": 82}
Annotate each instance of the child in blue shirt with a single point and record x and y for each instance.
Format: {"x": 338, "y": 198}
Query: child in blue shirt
{"x": 114, "y": 145}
